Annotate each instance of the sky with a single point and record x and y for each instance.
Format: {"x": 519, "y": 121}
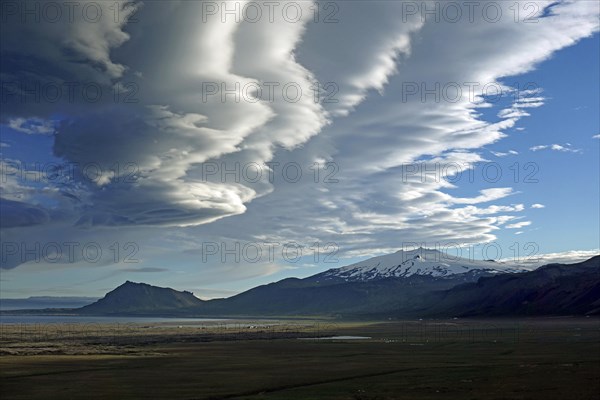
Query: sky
{"x": 213, "y": 147}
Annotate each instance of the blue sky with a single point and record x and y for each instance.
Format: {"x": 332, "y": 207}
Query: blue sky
{"x": 568, "y": 182}
{"x": 154, "y": 212}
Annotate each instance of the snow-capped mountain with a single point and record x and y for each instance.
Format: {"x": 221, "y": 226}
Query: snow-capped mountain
{"x": 421, "y": 261}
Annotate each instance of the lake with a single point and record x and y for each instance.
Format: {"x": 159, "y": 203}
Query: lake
{"x": 62, "y": 319}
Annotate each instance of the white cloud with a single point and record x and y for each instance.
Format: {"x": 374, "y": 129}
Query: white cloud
{"x": 485, "y": 196}
{"x": 518, "y": 225}
{"x": 567, "y": 148}
{"x": 504, "y": 154}
{"x": 32, "y": 126}
{"x": 565, "y": 257}
{"x": 537, "y": 205}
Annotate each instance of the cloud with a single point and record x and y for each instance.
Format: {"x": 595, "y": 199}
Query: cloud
{"x": 567, "y": 148}
{"x": 501, "y": 154}
{"x": 18, "y": 214}
{"x": 596, "y": 137}
{"x": 32, "y": 126}
{"x": 537, "y": 205}
{"x": 179, "y": 122}
{"x": 364, "y": 62}
{"x": 518, "y": 225}
{"x": 565, "y": 257}
{"x": 47, "y": 61}
{"x": 180, "y": 127}
{"x": 145, "y": 270}
{"x": 487, "y": 195}
{"x": 517, "y": 110}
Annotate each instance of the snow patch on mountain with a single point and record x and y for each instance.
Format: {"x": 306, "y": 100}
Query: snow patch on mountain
{"x": 417, "y": 262}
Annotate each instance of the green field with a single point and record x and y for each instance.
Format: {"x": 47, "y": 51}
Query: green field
{"x": 551, "y": 358}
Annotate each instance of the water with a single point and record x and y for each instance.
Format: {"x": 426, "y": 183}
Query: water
{"x": 71, "y": 319}
{"x": 338, "y": 338}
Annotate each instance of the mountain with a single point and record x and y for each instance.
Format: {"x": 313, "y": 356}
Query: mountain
{"x": 375, "y": 288}
{"x": 400, "y": 285}
{"x": 554, "y": 289}
{"x": 421, "y": 261}
{"x": 289, "y": 297}
{"x": 304, "y": 297}
{"x": 143, "y": 299}
{"x": 45, "y": 302}
{"x": 382, "y": 284}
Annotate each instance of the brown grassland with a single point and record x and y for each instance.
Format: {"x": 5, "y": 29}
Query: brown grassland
{"x": 543, "y": 358}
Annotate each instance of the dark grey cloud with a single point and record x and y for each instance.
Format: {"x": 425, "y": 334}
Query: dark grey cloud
{"x": 19, "y": 214}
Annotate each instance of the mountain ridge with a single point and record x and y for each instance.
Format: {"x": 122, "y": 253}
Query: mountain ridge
{"x": 476, "y": 292}
{"x": 560, "y": 289}
{"x": 551, "y": 289}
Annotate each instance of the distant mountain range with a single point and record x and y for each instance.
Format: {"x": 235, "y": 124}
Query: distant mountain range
{"x": 46, "y": 302}
{"x": 421, "y": 283}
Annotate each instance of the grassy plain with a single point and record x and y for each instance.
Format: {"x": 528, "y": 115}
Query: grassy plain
{"x": 544, "y": 358}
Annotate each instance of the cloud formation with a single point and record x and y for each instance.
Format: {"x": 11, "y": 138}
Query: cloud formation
{"x": 236, "y": 93}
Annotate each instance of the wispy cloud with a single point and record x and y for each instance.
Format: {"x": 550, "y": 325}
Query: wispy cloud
{"x": 504, "y": 154}
{"x": 33, "y": 126}
{"x": 518, "y": 225}
{"x": 485, "y": 196}
{"x": 566, "y": 148}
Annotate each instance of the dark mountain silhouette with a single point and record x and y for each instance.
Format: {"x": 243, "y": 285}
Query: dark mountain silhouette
{"x": 308, "y": 296}
{"x": 554, "y": 289}
{"x": 140, "y": 298}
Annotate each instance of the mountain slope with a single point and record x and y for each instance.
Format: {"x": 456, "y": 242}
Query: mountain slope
{"x": 305, "y": 297}
{"x": 141, "y": 298}
{"x": 554, "y": 289}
